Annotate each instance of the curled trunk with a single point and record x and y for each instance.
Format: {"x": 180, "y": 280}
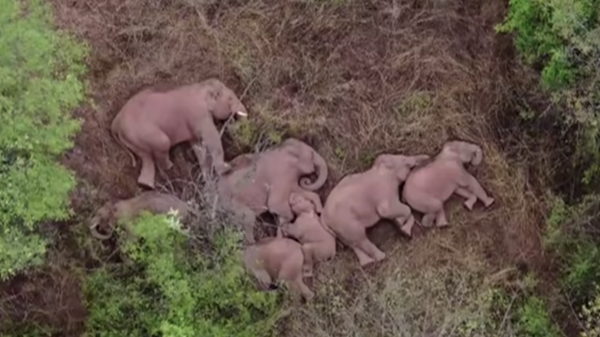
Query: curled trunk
{"x": 322, "y": 172}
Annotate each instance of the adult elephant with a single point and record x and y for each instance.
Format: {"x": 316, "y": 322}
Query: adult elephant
{"x": 264, "y": 182}
{"x": 151, "y": 122}
{"x": 360, "y": 200}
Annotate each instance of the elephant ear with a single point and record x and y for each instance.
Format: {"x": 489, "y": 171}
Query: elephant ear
{"x": 384, "y": 161}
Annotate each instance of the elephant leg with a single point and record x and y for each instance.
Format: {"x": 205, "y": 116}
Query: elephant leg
{"x": 401, "y": 213}
{"x": 264, "y": 279}
{"x": 440, "y": 219}
{"x": 368, "y": 247}
{"x": 148, "y": 171}
{"x": 428, "y": 219}
{"x": 475, "y": 187}
{"x": 299, "y": 285}
{"x": 163, "y": 160}
{"x": 471, "y": 198}
{"x": 309, "y": 251}
{"x": 212, "y": 140}
{"x": 363, "y": 258}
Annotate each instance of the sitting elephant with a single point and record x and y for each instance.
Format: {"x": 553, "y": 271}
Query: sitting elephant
{"x": 151, "y": 122}
{"x": 154, "y": 202}
{"x": 428, "y": 187}
{"x": 318, "y": 242}
{"x": 264, "y": 181}
{"x": 277, "y": 258}
{"x": 360, "y": 200}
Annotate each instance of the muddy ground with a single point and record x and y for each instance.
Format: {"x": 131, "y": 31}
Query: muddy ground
{"x": 354, "y": 79}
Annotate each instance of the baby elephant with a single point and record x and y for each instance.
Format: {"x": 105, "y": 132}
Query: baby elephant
{"x": 154, "y": 202}
{"x": 428, "y": 187}
{"x": 318, "y": 242}
{"x": 277, "y": 258}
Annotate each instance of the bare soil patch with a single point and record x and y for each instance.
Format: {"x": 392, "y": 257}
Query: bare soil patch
{"x": 354, "y": 79}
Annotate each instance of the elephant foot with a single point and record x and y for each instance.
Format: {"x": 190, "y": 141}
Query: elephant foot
{"x": 407, "y": 230}
{"x": 363, "y": 258}
{"x": 489, "y": 202}
{"x": 142, "y": 181}
{"x": 223, "y": 168}
{"x": 442, "y": 224}
{"x": 308, "y": 295}
{"x": 470, "y": 203}
{"x": 167, "y": 165}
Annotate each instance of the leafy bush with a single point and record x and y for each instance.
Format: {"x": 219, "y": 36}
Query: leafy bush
{"x": 40, "y": 84}
{"x": 563, "y": 38}
{"x": 590, "y": 316}
{"x": 169, "y": 289}
{"x": 534, "y": 320}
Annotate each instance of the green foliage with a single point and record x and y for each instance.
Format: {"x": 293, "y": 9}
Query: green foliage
{"x": 590, "y": 316}
{"x": 563, "y": 37}
{"x": 169, "y": 289}
{"x": 534, "y": 320}
{"x": 552, "y": 33}
{"x": 40, "y": 84}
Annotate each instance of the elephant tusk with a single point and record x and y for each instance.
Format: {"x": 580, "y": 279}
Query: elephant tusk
{"x": 241, "y": 113}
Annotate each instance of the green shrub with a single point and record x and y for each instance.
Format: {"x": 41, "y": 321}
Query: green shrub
{"x": 169, "y": 289}
{"x": 533, "y": 320}
{"x": 590, "y": 316}
{"x": 563, "y": 38}
{"x": 40, "y": 84}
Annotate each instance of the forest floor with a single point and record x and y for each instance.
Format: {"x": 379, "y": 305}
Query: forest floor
{"x": 353, "y": 79}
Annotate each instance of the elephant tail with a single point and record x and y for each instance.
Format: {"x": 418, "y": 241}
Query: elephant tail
{"x": 117, "y": 137}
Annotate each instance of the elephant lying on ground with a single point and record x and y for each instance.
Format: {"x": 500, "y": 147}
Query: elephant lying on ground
{"x": 277, "y": 258}
{"x": 151, "y": 122}
{"x": 264, "y": 182}
{"x": 154, "y": 202}
{"x": 318, "y": 242}
{"x": 428, "y": 187}
{"x": 360, "y": 200}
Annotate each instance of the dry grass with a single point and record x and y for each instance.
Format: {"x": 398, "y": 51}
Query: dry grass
{"x": 353, "y": 79}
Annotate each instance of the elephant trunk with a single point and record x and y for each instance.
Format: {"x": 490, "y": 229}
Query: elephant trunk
{"x": 322, "y": 172}
{"x": 94, "y": 230}
{"x": 477, "y": 155}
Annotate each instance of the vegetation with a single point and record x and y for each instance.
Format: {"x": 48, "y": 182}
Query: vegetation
{"x": 40, "y": 83}
{"x": 562, "y": 38}
{"x": 170, "y": 289}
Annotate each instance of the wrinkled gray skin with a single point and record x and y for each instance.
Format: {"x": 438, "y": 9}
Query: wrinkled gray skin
{"x": 360, "y": 200}
{"x": 277, "y": 258}
{"x": 428, "y": 187}
{"x": 154, "y": 202}
{"x": 318, "y": 242}
{"x": 264, "y": 181}
{"x": 151, "y": 122}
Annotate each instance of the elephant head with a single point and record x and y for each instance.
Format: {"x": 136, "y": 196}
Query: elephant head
{"x": 308, "y": 161}
{"x": 225, "y": 101}
{"x": 399, "y": 164}
{"x": 103, "y": 218}
{"x": 464, "y": 151}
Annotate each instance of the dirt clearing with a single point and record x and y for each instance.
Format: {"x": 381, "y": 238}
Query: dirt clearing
{"x": 354, "y": 79}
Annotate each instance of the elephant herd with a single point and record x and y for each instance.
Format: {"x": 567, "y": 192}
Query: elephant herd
{"x": 277, "y": 181}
